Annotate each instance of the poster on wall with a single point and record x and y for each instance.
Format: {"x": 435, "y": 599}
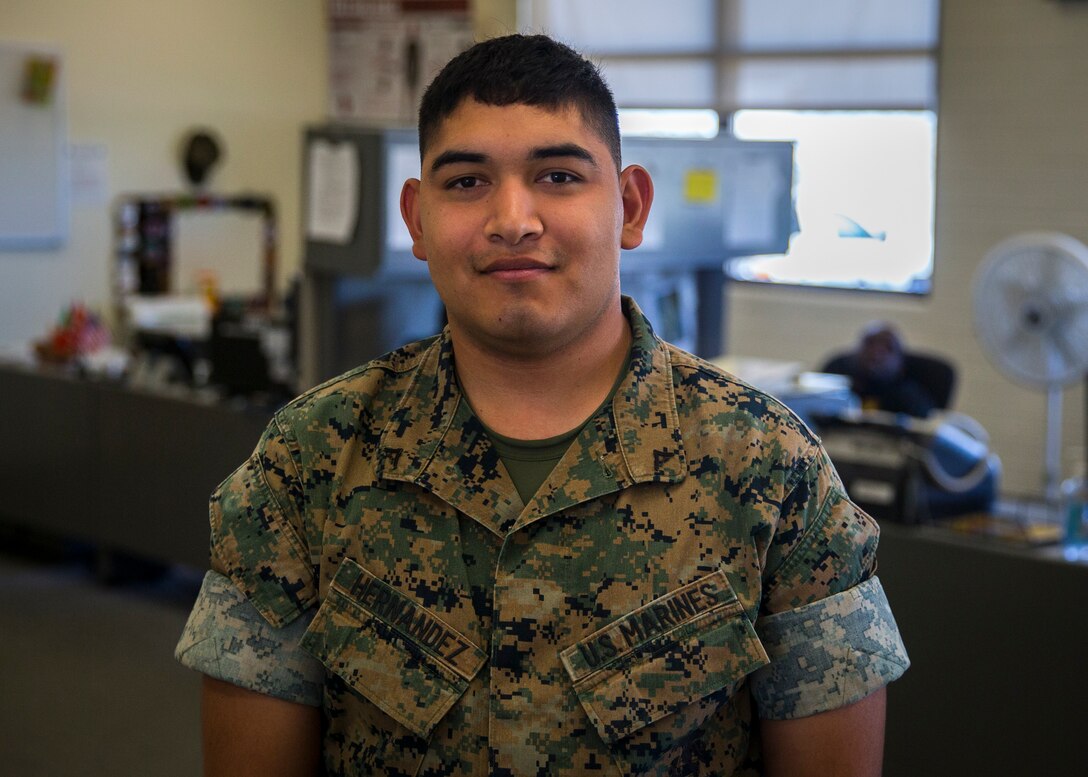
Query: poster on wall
{"x": 34, "y": 185}
{"x": 383, "y": 53}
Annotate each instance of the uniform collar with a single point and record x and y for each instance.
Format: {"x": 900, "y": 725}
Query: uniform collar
{"x": 644, "y": 407}
{"x": 434, "y": 440}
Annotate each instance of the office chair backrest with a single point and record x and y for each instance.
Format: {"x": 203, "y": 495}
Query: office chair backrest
{"x": 936, "y": 374}
{"x": 933, "y": 372}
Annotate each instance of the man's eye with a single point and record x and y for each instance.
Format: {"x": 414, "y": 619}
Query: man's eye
{"x": 465, "y": 182}
{"x": 559, "y": 176}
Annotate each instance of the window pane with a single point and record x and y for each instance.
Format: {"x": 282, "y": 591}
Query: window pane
{"x": 865, "y": 195}
{"x": 753, "y": 25}
{"x": 669, "y": 123}
{"x": 829, "y": 82}
{"x": 661, "y": 83}
{"x": 627, "y": 26}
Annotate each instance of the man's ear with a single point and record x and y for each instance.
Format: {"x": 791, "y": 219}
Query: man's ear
{"x": 637, "y": 190}
{"x": 410, "y": 212}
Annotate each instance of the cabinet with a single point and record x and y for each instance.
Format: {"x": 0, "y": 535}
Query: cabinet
{"x": 998, "y": 640}
{"x": 127, "y": 470}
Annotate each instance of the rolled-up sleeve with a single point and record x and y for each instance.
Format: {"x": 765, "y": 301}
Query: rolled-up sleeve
{"x": 824, "y": 619}
{"x": 226, "y": 638}
{"x": 828, "y": 654}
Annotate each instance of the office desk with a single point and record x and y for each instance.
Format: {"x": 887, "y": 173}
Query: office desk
{"x": 998, "y": 640}
{"x": 126, "y": 470}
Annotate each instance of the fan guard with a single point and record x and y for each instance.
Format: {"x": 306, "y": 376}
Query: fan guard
{"x": 1030, "y": 301}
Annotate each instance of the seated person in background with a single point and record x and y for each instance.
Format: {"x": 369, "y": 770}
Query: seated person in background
{"x": 879, "y": 374}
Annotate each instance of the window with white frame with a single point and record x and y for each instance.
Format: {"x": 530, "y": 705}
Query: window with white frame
{"x": 851, "y": 82}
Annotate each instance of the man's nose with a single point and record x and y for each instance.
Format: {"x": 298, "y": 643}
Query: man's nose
{"x": 514, "y": 215}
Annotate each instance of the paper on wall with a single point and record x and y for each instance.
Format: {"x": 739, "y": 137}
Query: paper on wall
{"x": 333, "y": 187}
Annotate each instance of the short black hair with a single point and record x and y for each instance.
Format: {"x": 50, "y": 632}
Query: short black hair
{"x": 522, "y": 69}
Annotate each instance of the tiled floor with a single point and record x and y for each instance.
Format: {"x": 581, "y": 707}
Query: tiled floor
{"x": 88, "y": 683}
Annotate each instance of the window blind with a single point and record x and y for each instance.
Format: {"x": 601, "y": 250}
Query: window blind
{"x": 734, "y": 54}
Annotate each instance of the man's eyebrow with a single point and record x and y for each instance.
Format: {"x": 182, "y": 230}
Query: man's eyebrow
{"x": 563, "y": 150}
{"x": 454, "y": 156}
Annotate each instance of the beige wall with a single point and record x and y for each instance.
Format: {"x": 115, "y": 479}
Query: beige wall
{"x": 139, "y": 73}
{"x": 1012, "y": 157}
{"x": 494, "y": 17}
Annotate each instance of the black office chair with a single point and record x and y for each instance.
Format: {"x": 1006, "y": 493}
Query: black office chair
{"x": 935, "y": 374}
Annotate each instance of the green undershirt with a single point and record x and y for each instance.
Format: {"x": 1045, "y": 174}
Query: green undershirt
{"x": 529, "y": 462}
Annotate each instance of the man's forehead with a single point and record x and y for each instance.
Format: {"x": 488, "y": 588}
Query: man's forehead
{"x": 472, "y": 123}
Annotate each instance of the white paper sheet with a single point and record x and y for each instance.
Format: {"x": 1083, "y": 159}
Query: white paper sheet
{"x": 333, "y": 206}
{"x": 88, "y": 165}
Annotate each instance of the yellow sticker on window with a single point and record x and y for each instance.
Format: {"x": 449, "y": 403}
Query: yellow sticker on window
{"x": 701, "y": 186}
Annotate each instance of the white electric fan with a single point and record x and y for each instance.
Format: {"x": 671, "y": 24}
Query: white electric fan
{"x": 1031, "y": 318}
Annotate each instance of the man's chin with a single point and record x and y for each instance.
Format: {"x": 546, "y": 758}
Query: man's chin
{"x": 519, "y": 332}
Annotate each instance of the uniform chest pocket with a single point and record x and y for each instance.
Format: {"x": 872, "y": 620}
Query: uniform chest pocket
{"x": 397, "y": 654}
{"x": 664, "y": 658}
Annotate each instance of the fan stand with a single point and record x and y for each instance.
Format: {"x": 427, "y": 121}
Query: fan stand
{"x": 1053, "y": 462}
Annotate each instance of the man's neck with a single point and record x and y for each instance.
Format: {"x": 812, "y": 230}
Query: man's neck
{"x": 535, "y": 396}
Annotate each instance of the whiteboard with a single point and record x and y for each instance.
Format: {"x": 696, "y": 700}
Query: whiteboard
{"x": 33, "y": 169}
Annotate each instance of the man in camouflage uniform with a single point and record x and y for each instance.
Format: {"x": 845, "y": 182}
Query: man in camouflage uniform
{"x": 544, "y": 541}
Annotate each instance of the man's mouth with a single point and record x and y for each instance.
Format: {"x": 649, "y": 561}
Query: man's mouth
{"x": 516, "y": 268}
